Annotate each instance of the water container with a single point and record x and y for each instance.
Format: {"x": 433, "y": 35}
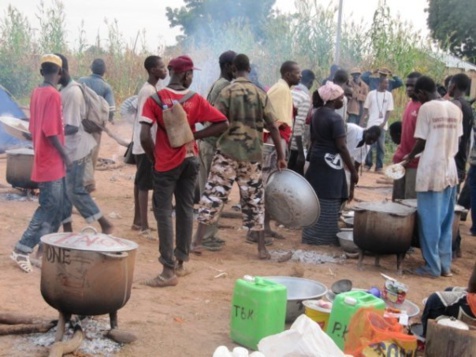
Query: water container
{"x": 345, "y": 305}
{"x": 258, "y": 310}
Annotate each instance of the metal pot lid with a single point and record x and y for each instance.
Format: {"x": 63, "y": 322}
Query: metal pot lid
{"x": 412, "y": 202}
{"x": 89, "y": 240}
{"x": 452, "y": 322}
{"x": 20, "y": 151}
{"x": 386, "y": 207}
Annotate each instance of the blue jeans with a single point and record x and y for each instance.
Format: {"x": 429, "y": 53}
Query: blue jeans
{"x": 47, "y": 217}
{"x": 435, "y": 225}
{"x": 77, "y": 195}
{"x": 179, "y": 182}
{"x": 354, "y": 119}
{"x": 380, "y": 147}
{"x": 472, "y": 189}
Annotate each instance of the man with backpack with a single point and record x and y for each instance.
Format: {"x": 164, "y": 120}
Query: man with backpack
{"x": 176, "y": 166}
{"x": 78, "y": 146}
{"x": 96, "y": 82}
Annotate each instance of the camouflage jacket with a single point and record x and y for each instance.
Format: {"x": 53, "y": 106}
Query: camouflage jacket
{"x": 248, "y": 110}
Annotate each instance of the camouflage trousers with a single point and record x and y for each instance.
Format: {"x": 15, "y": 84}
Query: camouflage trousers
{"x": 224, "y": 172}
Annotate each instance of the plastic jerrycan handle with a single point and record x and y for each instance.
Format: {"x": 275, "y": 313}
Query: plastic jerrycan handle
{"x": 350, "y": 301}
{"x": 254, "y": 279}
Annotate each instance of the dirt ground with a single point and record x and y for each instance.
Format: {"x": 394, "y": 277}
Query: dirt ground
{"x": 191, "y": 319}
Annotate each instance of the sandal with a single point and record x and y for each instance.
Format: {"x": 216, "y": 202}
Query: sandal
{"x": 160, "y": 282}
{"x": 180, "y": 271}
{"x": 23, "y": 261}
{"x": 147, "y": 234}
{"x": 196, "y": 249}
{"x": 212, "y": 246}
{"x": 421, "y": 272}
{"x": 252, "y": 240}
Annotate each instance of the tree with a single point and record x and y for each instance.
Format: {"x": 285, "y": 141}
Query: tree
{"x": 199, "y": 19}
{"x": 451, "y": 23}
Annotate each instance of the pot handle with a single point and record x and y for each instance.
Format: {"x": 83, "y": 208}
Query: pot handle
{"x": 89, "y": 228}
{"x": 118, "y": 255}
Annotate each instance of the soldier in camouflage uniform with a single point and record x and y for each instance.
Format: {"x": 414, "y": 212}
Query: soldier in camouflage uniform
{"x": 208, "y": 145}
{"x": 239, "y": 155}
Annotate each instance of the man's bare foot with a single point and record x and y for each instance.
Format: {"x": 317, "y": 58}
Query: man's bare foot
{"x": 263, "y": 254}
{"x": 106, "y": 227}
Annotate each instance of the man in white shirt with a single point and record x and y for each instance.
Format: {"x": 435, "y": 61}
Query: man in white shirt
{"x": 143, "y": 181}
{"x": 377, "y": 109}
{"x": 359, "y": 141}
{"x": 78, "y": 147}
{"x": 437, "y": 132}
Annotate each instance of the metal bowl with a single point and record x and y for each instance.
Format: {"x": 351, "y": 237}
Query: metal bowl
{"x": 291, "y": 200}
{"x": 346, "y": 241}
{"x": 341, "y": 286}
{"x": 299, "y": 289}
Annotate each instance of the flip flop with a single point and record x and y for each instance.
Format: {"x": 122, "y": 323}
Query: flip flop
{"x": 447, "y": 274}
{"x": 197, "y": 250}
{"x": 160, "y": 282}
{"x": 181, "y": 272}
{"x": 267, "y": 241}
{"x": 421, "y": 272}
{"x": 212, "y": 246}
{"x": 135, "y": 227}
{"x": 23, "y": 261}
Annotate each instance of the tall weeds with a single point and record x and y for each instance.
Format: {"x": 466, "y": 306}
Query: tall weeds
{"x": 306, "y": 36}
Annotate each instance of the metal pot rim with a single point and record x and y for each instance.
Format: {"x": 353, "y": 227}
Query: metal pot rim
{"x": 91, "y": 241}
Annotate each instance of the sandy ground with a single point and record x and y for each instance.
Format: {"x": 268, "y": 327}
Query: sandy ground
{"x": 191, "y": 319}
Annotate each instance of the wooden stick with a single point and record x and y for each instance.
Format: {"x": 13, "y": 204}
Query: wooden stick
{"x": 20, "y": 329}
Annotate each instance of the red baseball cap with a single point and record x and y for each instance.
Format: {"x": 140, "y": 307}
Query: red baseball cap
{"x": 181, "y": 64}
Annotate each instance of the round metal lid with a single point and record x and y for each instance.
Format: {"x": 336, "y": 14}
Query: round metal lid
{"x": 89, "y": 240}
{"x": 386, "y": 207}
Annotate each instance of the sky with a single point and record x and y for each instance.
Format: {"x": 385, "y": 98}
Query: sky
{"x": 135, "y": 15}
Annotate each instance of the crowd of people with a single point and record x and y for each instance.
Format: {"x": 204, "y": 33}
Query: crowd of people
{"x": 246, "y": 134}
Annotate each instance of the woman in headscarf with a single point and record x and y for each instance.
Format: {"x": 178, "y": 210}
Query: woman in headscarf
{"x": 328, "y": 155}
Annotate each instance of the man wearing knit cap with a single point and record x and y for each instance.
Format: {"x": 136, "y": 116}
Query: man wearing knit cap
{"x": 96, "y": 82}
{"x": 46, "y": 128}
{"x": 208, "y": 146}
{"x": 176, "y": 168}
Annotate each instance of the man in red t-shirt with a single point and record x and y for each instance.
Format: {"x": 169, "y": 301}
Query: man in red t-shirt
{"x": 405, "y": 187}
{"x": 46, "y": 127}
{"x": 176, "y": 169}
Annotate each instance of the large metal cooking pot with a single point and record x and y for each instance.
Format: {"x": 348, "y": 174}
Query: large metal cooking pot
{"x": 384, "y": 227}
{"x": 291, "y": 200}
{"x": 87, "y": 273}
{"x": 456, "y": 221}
{"x": 19, "y": 168}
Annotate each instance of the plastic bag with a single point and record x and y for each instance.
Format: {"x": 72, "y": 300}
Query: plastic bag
{"x": 372, "y": 335}
{"x": 305, "y": 338}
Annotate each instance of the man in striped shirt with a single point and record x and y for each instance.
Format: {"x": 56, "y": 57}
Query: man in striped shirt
{"x": 302, "y": 107}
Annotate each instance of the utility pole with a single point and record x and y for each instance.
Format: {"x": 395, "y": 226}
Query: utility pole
{"x": 339, "y": 33}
